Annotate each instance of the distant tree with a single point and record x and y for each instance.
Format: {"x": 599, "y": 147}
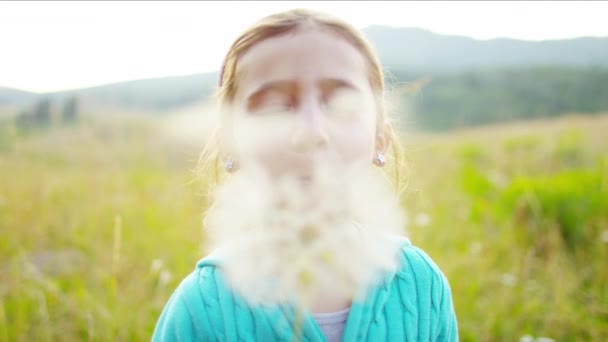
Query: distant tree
{"x": 24, "y": 121}
{"x": 497, "y": 95}
{"x": 70, "y": 110}
{"x": 8, "y": 134}
{"x": 42, "y": 113}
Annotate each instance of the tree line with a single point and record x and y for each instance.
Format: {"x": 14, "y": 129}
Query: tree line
{"x": 44, "y": 112}
{"x": 455, "y": 100}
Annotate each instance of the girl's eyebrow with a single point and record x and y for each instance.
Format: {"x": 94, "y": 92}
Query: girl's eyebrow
{"x": 279, "y": 85}
{"x": 290, "y": 85}
{"x": 328, "y": 84}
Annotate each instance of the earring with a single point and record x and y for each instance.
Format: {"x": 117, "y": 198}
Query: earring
{"x": 380, "y": 159}
{"x": 229, "y": 164}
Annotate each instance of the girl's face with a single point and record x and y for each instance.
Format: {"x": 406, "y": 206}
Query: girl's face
{"x": 303, "y": 100}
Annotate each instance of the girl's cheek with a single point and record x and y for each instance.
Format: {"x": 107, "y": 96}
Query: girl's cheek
{"x": 353, "y": 122}
{"x": 259, "y": 138}
{"x": 354, "y": 142}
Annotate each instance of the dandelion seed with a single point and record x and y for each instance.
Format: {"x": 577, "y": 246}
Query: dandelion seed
{"x": 497, "y": 178}
{"x": 156, "y": 266}
{"x": 532, "y": 285}
{"x": 475, "y": 248}
{"x": 544, "y": 339}
{"x": 164, "y": 278}
{"x": 422, "y": 219}
{"x": 605, "y": 236}
{"x": 508, "y": 280}
{"x": 526, "y": 338}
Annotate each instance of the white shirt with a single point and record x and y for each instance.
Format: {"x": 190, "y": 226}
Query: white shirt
{"x": 332, "y": 324}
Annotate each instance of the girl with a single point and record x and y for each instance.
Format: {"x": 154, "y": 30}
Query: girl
{"x": 302, "y": 222}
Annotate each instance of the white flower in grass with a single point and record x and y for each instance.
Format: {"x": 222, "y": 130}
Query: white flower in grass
{"x": 156, "y": 266}
{"x": 283, "y": 239}
{"x": 508, "y": 279}
{"x": 164, "y": 277}
{"x": 544, "y": 339}
{"x": 526, "y": 338}
{"x": 422, "y": 219}
{"x": 475, "y": 248}
{"x": 605, "y": 236}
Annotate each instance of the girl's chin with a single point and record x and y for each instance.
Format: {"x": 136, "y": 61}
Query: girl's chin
{"x": 305, "y": 180}
{"x": 307, "y": 173}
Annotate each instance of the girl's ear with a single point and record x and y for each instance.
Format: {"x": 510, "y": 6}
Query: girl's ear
{"x": 384, "y": 135}
{"x": 383, "y": 141}
{"x": 226, "y": 151}
{"x": 226, "y": 154}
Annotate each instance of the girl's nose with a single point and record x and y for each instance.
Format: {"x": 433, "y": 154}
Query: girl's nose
{"x": 311, "y": 133}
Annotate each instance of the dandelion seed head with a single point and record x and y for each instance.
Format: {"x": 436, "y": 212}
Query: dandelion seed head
{"x": 284, "y": 238}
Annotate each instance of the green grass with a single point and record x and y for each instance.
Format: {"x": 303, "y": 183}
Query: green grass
{"x": 94, "y": 219}
{"x": 95, "y": 206}
{"x": 519, "y": 219}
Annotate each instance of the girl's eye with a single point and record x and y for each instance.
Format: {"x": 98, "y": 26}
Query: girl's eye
{"x": 273, "y": 103}
{"x": 343, "y": 104}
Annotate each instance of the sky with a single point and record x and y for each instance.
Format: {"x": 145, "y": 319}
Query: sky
{"x": 52, "y": 46}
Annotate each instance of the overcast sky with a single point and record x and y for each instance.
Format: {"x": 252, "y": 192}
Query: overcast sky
{"x": 50, "y": 46}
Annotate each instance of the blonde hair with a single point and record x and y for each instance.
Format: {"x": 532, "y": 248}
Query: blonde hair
{"x": 283, "y": 23}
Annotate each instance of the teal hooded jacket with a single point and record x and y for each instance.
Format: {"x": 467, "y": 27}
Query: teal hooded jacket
{"x": 411, "y": 303}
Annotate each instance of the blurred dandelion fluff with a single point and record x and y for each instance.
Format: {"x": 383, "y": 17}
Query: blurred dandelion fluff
{"x": 284, "y": 239}
{"x": 164, "y": 277}
{"x": 156, "y": 266}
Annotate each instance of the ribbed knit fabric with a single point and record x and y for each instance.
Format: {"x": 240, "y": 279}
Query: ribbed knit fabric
{"x": 414, "y": 303}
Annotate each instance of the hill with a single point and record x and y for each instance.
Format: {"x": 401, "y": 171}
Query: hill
{"x": 472, "y": 81}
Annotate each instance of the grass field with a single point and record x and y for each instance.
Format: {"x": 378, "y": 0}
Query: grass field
{"x": 99, "y": 223}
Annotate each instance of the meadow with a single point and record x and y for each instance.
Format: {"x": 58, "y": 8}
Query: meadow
{"x": 99, "y": 222}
